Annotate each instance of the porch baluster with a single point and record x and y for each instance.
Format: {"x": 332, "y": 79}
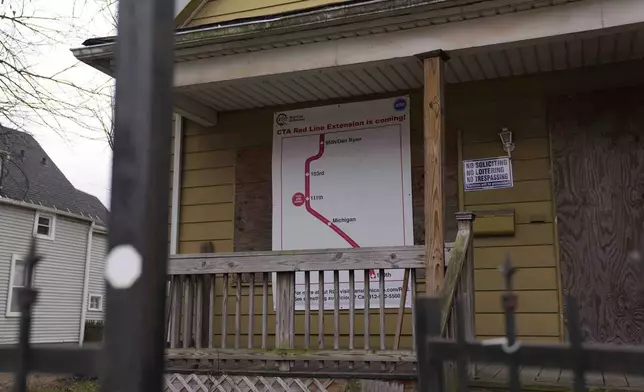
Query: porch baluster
{"x": 367, "y": 305}
{"x": 176, "y": 311}
{"x": 251, "y": 310}
{"x": 224, "y": 312}
{"x": 199, "y": 311}
{"x": 238, "y": 284}
{"x": 264, "y": 309}
{"x": 307, "y": 310}
{"x": 211, "y": 311}
{"x": 352, "y": 308}
{"x": 187, "y": 311}
{"x": 321, "y": 309}
{"x": 336, "y": 313}
{"x": 381, "y": 289}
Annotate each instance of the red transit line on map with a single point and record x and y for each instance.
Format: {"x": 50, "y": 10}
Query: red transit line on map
{"x": 307, "y": 194}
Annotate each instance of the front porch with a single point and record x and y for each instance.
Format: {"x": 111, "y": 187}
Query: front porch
{"x": 237, "y": 333}
{"x": 232, "y": 310}
{"x": 221, "y": 315}
{"x": 339, "y": 344}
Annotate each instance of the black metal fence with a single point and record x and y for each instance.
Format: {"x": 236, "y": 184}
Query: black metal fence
{"x": 435, "y": 352}
{"x": 131, "y": 358}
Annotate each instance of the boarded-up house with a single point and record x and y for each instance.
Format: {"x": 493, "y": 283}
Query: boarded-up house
{"x": 548, "y": 92}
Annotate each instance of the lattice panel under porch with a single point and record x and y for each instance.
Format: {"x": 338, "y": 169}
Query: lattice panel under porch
{"x": 224, "y": 383}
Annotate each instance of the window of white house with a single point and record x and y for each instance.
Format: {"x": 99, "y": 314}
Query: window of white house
{"x": 95, "y": 302}
{"x": 44, "y": 226}
{"x": 17, "y": 280}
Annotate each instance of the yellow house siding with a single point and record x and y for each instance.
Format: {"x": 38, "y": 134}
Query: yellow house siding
{"x": 226, "y": 199}
{"x": 528, "y": 94}
{"x": 479, "y": 117}
{"x": 207, "y": 191}
{"x": 222, "y": 10}
{"x": 477, "y": 111}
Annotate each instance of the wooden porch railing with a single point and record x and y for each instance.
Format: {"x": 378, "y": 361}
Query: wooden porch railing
{"x": 221, "y": 313}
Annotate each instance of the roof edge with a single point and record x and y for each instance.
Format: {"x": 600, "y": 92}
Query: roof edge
{"x": 188, "y": 12}
{"x": 55, "y": 211}
{"x": 101, "y": 48}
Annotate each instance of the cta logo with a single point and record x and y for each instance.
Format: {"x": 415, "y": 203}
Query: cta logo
{"x": 281, "y": 119}
{"x": 400, "y": 104}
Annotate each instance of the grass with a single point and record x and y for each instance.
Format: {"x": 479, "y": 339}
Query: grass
{"x": 51, "y": 384}
{"x": 67, "y": 385}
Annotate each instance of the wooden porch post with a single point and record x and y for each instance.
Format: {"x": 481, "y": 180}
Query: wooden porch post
{"x": 285, "y": 312}
{"x": 434, "y": 136}
{"x": 466, "y": 284}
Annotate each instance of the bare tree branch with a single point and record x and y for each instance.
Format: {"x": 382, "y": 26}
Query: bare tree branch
{"x": 34, "y": 93}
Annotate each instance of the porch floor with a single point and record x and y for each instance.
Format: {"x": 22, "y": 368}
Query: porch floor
{"x": 496, "y": 376}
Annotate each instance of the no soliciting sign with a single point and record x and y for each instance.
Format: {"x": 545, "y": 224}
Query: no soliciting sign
{"x": 487, "y": 173}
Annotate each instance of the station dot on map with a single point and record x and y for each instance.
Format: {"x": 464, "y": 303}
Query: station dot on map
{"x": 298, "y": 199}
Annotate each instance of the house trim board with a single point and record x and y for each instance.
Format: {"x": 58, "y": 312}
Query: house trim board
{"x": 176, "y": 184}
{"x": 555, "y": 228}
{"x": 571, "y": 18}
{"x": 195, "y": 111}
{"x": 88, "y": 258}
{"x": 183, "y": 19}
{"x": 52, "y": 226}
{"x": 89, "y": 303}
{"x": 317, "y": 22}
{"x": 8, "y": 313}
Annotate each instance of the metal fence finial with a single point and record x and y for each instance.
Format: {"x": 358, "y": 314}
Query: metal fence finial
{"x": 508, "y": 271}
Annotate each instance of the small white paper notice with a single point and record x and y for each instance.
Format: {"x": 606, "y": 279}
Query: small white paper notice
{"x": 487, "y": 173}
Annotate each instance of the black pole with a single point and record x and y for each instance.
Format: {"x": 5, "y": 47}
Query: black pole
{"x": 428, "y": 326}
{"x": 26, "y": 299}
{"x": 138, "y": 229}
{"x": 509, "y": 302}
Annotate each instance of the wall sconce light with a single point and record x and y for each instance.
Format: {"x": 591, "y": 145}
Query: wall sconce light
{"x": 506, "y": 140}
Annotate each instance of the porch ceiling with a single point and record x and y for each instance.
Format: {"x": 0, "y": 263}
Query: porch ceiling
{"x": 341, "y": 82}
{"x": 401, "y": 74}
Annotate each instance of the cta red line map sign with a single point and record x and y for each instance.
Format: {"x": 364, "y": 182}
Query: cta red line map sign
{"x": 342, "y": 179}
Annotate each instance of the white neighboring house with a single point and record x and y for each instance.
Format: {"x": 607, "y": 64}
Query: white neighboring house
{"x": 36, "y": 200}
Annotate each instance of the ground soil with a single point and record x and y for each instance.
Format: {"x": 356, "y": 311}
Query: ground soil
{"x": 49, "y": 383}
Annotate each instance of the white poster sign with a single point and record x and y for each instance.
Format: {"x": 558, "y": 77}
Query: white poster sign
{"x": 342, "y": 179}
{"x": 487, "y": 173}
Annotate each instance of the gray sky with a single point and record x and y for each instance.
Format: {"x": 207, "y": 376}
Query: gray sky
{"x": 82, "y": 154}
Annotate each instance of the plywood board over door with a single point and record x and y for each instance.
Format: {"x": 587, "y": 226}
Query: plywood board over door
{"x": 598, "y": 155}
